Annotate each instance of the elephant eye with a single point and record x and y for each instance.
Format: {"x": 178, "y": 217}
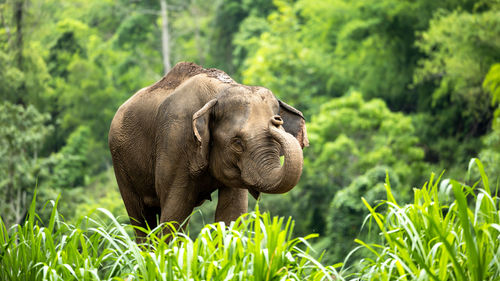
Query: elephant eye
{"x": 237, "y": 144}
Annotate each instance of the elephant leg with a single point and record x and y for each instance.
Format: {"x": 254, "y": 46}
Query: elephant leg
{"x": 177, "y": 206}
{"x": 132, "y": 201}
{"x": 232, "y": 203}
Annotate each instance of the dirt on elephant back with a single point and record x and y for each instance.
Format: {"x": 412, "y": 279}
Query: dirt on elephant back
{"x": 185, "y": 70}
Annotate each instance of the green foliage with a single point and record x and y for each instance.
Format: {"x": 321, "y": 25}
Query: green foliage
{"x": 314, "y": 49}
{"x": 10, "y": 77}
{"x": 433, "y": 239}
{"x": 22, "y": 133}
{"x": 76, "y": 202}
{"x": 283, "y": 61}
{"x": 491, "y": 84}
{"x": 138, "y": 35}
{"x": 356, "y": 143}
{"x": 192, "y": 28}
{"x": 490, "y": 154}
{"x": 232, "y": 16}
{"x": 255, "y": 247}
{"x": 71, "y": 162}
{"x": 345, "y": 214}
{"x": 104, "y": 190}
{"x": 77, "y": 62}
{"x": 460, "y": 48}
{"x": 359, "y": 135}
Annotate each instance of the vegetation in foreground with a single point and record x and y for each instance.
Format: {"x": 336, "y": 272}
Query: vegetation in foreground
{"x": 255, "y": 247}
{"x": 450, "y": 232}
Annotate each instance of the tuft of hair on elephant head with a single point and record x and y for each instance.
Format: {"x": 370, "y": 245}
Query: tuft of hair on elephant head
{"x": 196, "y": 131}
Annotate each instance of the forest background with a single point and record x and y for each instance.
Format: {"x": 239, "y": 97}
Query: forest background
{"x": 387, "y": 86}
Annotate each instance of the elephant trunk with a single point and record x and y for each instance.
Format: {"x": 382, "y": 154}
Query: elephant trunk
{"x": 268, "y": 175}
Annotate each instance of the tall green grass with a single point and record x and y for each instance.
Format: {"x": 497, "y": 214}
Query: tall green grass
{"x": 458, "y": 239}
{"x": 451, "y": 231}
{"x": 255, "y": 247}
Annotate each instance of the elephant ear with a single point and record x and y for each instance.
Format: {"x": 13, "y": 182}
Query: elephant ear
{"x": 294, "y": 123}
{"x": 201, "y": 131}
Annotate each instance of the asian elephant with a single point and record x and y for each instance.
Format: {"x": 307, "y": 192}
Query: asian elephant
{"x": 196, "y": 131}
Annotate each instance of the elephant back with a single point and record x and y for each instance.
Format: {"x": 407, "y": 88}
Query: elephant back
{"x": 182, "y": 71}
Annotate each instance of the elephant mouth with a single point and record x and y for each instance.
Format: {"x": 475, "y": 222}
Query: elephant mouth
{"x": 255, "y": 194}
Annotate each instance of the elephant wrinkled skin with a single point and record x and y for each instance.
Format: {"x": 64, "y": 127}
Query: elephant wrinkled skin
{"x": 194, "y": 131}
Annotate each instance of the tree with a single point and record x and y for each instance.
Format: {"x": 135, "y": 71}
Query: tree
{"x": 230, "y": 17}
{"x": 22, "y": 134}
{"x": 318, "y": 49}
{"x": 490, "y": 154}
{"x": 460, "y": 47}
{"x": 283, "y": 60}
{"x": 10, "y": 77}
{"x": 24, "y": 71}
{"x": 71, "y": 163}
{"x": 346, "y": 213}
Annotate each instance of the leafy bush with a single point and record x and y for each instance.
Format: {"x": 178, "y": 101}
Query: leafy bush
{"x": 433, "y": 239}
{"x": 71, "y": 162}
{"x": 346, "y": 213}
{"x": 23, "y": 130}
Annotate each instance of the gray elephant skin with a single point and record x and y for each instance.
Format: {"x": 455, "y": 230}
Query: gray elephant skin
{"x": 196, "y": 131}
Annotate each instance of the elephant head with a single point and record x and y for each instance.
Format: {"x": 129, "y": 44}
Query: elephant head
{"x": 241, "y": 135}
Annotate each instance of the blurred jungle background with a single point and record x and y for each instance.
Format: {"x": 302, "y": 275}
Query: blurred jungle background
{"x": 401, "y": 87}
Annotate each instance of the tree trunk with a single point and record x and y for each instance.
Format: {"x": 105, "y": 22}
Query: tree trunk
{"x": 165, "y": 47}
{"x": 19, "y": 207}
{"x": 18, "y": 19}
{"x": 19, "y": 46}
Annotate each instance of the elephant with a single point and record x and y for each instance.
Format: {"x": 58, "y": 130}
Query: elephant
{"x": 196, "y": 131}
